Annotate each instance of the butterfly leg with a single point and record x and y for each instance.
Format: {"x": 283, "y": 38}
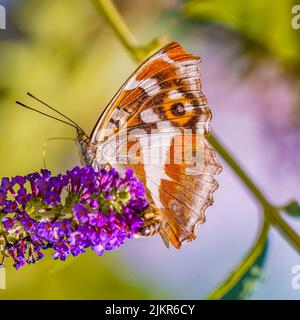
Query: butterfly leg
{"x": 152, "y": 223}
{"x": 97, "y": 166}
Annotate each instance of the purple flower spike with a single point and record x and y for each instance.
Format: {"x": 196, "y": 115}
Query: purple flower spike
{"x": 110, "y": 197}
{"x": 20, "y": 261}
{"x": 10, "y": 206}
{"x": 29, "y": 224}
{"x": 19, "y": 180}
{"x": 70, "y": 213}
{"x": 99, "y": 249}
{"x": 42, "y": 185}
{"x": 3, "y": 195}
{"x": 81, "y": 213}
{"x": 94, "y": 204}
{"x": 76, "y": 239}
{"x": 45, "y": 173}
{"x": 63, "y": 228}
{"x": 23, "y": 197}
{"x": 5, "y": 183}
{"x": 97, "y": 219}
{"x": 45, "y": 231}
{"x": 52, "y": 198}
{"x": 61, "y": 251}
{"x": 8, "y": 223}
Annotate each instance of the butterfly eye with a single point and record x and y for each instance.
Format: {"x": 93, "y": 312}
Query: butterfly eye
{"x": 178, "y": 109}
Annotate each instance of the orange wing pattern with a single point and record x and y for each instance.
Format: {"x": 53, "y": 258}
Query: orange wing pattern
{"x": 157, "y": 124}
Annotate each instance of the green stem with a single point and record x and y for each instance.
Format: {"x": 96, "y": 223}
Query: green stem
{"x": 111, "y": 14}
{"x": 235, "y": 276}
{"x": 215, "y": 142}
{"x": 118, "y": 25}
{"x": 270, "y": 211}
{"x": 285, "y": 229}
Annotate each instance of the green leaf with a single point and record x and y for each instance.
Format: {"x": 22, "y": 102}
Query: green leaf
{"x": 247, "y": 284}
{"x": 262, "y": 23}
{"x": 292, "y": 209}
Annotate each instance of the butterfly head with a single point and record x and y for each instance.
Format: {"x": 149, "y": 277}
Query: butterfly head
{"x": 87, "y": 150}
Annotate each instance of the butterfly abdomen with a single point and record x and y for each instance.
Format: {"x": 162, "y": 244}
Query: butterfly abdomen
{"x": 152, "y": 222}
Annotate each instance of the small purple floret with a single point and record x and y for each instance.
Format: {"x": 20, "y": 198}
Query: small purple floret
{"x": 8, "y": 223}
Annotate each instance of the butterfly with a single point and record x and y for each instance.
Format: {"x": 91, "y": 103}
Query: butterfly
{"x": 157, "y": 125}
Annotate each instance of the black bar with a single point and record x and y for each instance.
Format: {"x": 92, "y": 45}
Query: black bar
{"x": 150, "y": 309}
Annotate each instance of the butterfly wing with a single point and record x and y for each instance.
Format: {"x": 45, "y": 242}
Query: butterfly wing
{"x": 157, "y": 124}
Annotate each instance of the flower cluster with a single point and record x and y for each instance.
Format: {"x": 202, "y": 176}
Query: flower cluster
{"x": 69, "y": 213}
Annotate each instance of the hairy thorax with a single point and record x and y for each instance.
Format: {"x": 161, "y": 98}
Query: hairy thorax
{"x": 87, "y": 150}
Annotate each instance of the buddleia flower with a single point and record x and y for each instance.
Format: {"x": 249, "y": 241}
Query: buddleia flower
{"x": 68, "y": 213}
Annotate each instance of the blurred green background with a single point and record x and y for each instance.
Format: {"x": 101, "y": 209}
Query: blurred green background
{"x": 65, "y": 53}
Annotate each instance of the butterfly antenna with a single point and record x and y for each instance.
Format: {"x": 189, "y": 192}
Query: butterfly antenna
{"x": 47, "y": 115}
{"x": 55, "y": 110}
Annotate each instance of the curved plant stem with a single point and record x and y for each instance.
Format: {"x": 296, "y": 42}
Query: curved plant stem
{"x": 107, "y": 8}
{"x": 243, "y": 266}
{"x": 117, "y": 23}
{"x": 284, "y": 228}
{"x": 271, "y": 214}
{"x": 215, "y": 142}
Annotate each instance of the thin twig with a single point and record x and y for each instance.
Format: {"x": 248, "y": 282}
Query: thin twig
{"x": 236, "y": 275}
{"x": 270, "y": 211}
